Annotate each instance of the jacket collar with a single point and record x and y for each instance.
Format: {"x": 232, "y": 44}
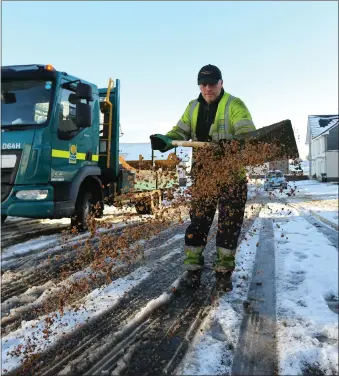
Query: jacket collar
{"x": 203, "y": 102}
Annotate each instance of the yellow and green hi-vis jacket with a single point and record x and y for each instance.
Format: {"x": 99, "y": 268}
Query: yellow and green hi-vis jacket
{"x": 232, "y": 119}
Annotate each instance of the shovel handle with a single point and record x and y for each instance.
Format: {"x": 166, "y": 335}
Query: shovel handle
{"x": 191, "y": 144}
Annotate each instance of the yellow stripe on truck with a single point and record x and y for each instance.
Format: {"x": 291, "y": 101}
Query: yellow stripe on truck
{"x": 65, "y": 154}
{"x": 60, "y": 153}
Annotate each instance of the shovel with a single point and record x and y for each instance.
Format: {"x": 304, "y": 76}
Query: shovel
{"x": 280, "y": 134}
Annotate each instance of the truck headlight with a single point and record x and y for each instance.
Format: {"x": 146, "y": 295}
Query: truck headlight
{"x": 32, "y": 194}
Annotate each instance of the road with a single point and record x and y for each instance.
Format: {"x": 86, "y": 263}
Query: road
{"x": 148, "y": 323}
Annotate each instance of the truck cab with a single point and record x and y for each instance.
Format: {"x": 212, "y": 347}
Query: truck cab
{"x": 50, "y": 143}
{"x": 60, "y": 147}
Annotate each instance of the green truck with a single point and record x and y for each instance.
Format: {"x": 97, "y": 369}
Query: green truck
{"x": 60, "y": 149}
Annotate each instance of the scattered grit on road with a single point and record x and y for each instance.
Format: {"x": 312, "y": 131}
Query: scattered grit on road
{"x": 144, "y": 321}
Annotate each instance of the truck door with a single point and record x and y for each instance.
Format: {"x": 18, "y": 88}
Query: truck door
{"x": 71, "y": 146}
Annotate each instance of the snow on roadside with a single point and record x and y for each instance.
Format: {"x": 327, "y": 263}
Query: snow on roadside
{"x": 212, "y": 349}
{"x": 306, "y": 275}
{"x": 14, "y": 221}
{"x": 36, "y": 296}
{"x": 95, "y": 303}
{"x": 306, "y": 189}
{"x": 40, "y": 244}
{"x": 29, "y": 246}
{"x": 325, "y": 208}
{"x": 328, "y": 217}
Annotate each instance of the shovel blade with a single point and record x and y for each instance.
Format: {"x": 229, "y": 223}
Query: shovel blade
{"x": 280, "y": 134}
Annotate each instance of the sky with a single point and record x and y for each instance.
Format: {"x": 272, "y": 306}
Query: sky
{"x": 280, "y": 58}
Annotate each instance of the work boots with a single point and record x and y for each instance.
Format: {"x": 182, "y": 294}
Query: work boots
{"x": 193, "y": 278}
{"x": 224, "y": 280}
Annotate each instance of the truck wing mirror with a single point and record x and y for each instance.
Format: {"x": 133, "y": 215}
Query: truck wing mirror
{"x": 83, "y": 115}
{"x": 84, "y": 91}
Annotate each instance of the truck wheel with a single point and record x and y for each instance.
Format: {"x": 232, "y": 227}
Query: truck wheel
{"x": 83, "y": 208}
{"x": 99, "y": 209}
{"x": 3, "y": 218}
{"x": 143, "y": 207}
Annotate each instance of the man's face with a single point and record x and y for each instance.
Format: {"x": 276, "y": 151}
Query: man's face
{"x": 211, "y": 92}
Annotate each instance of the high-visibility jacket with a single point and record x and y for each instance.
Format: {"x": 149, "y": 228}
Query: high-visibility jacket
{"x": 232, "y": 118}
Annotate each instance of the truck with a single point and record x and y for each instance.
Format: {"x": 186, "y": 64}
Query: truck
{"x": 60, "y": 149}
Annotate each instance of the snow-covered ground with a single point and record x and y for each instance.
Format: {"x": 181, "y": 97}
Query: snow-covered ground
{"x": 306, "y": 287}
{"x": 310, "y": 196}
{"x": 306, "y": 279}
{"x": 212, "y": 349}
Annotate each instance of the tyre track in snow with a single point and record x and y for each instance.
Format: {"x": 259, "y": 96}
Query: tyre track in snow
{"x": 122, "y": 271}
{"x": 330, "y": 233}
{"x": 33, "y": 275}
{"x": 256, "y": 349}
{"x": 256, "y": 352}
{"x": 16, "y": 234}
{"x": 19, "y": 231}
{"x": 89, "y": 338}
{"x": 160, "y": 344}
{"x": 165, "y": 338}
{"x": 154, "y": 342}
{"x": 186, "y": 310}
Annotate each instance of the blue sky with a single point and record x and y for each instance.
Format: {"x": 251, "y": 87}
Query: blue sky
{"x": 280, "y": 58}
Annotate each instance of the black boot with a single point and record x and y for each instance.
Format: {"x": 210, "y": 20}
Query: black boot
{"x": 193, "y": 278}
{"x": 224, "y": 281}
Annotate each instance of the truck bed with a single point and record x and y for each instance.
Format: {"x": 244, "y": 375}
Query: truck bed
{"x": 147, "y": 175}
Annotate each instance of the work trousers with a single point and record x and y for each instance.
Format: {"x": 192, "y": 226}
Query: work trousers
{"x": 231, "y": 206}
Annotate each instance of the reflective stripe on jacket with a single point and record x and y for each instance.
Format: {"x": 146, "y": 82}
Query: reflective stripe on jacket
{"x": 232, "y": 118}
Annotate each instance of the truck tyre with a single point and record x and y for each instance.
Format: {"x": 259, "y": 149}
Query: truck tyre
{"x": 3, "y": 218}
{"x": 83, "y": 208}
{"x": 99, "y": 211}
{"x": 143, "y": 207}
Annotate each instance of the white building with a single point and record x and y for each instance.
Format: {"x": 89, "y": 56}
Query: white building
{"x": 322, "y": 140}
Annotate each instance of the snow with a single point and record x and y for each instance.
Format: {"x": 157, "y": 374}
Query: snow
{"x": 314, "y": 123}
{"x": 40, "y": 244}
{"x": 330, "y": 216}
{"x": 97, "y": 302}
{"x": 14, "y": 221}
{"x": 315, "y": 188}
{"x": 30, "y": 245}
{"x": 321, "y": 199}
{"x": 94, "y": 304}
{"x": 306, "y": 278}
{"x": 212, "y": 349}
{"x": 310, "y": 196}
{"x": 306, "y": 275}
{"x": 306, "y": 281}
{"x": 324, "y": 209}
{"x": 36, "y": 296}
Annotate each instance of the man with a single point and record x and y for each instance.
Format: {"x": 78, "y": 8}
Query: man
{"x": 214, "y": 116}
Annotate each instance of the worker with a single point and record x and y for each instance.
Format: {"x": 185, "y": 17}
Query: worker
{"x": 214, "y": 116}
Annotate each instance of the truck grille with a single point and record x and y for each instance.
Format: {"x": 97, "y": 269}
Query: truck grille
{"x": 10, "y": 160}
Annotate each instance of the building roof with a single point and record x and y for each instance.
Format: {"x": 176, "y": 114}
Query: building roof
{"x": 319, "y": 124}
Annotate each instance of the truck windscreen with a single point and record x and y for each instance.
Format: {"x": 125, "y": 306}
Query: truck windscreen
{"x": 25, "y": 102}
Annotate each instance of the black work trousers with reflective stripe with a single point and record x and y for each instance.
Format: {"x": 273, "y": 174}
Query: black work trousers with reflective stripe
{"x": 231, "y": 205}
